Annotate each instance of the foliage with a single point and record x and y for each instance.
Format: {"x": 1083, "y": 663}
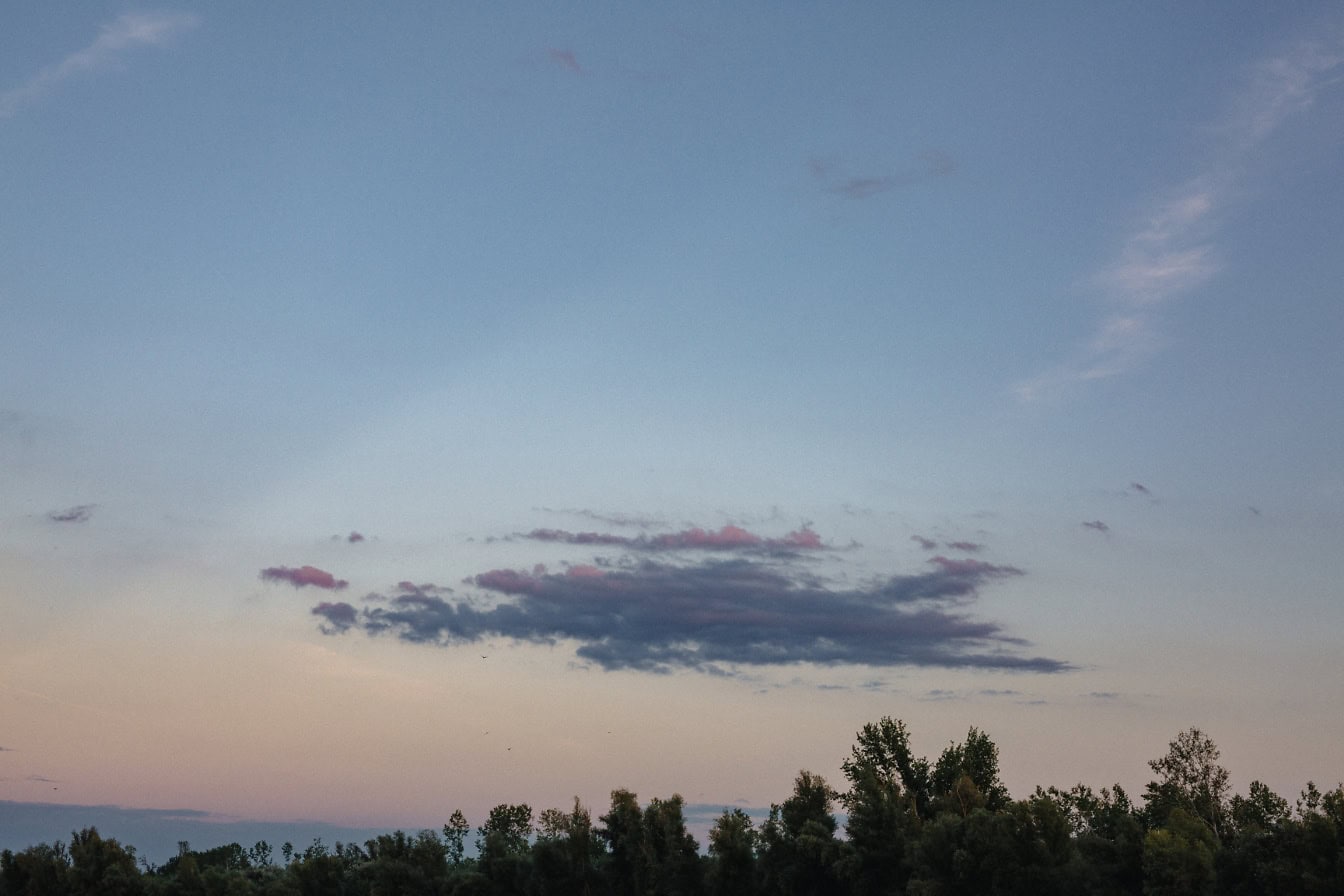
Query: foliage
{"x": 912, "y": 827}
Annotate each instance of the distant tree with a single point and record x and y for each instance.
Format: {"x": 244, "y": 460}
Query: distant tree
{"x": 398, "y": 863}
{"x": 732, "y": 851}
{"x": 623, "y": 830}
{"x": 966, "y": 776}
{"x": 102, "y": 866}
{"x": 39, "y": 870}
{"x": 1189, "y": 778}
{"x": 566, "y": 851}
{"x": 671, "y": 853}
{"x": 888, "y": 795}
{"x": 455, "y": 837}
{"x": 1178, "y": 857}
{"x": 800, "y": 853}
{"x": 260, "y": 854}
{"x": 1108, "y": 837}
{"x": 503, "y": 842}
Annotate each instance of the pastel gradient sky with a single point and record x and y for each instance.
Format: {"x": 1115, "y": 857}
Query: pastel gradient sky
{"x": 418, "y": 406}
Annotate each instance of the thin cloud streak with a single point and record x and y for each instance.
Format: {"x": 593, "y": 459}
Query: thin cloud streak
{"x": 728, "y": 538}
{"x": 1172, "y": 252}
{"x": 128, "y": 31}
{"x": 713, "y": 616}
{"x": 79, "y": 514}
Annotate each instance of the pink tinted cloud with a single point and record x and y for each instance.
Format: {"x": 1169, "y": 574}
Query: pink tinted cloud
{"x": 968, "y": 546}
{"x": 727, "y": 537}
{"x": 584, "y": 571}
{"x": 566, "y": 60}
{"x": 508, "y": 581}
{"x": 354, "y": 537}
{"x": 303, "y": 576}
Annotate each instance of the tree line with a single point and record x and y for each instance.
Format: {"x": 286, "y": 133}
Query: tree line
{"x": 911, "y": 826}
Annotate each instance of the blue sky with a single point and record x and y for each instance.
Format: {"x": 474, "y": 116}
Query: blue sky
{"x": 773, "y": 368}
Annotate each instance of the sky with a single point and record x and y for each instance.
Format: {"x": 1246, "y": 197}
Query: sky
{"x": 434, "y": 406}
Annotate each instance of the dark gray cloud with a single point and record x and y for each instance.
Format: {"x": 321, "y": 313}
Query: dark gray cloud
{"x": 1098, "y": 525}
{"x": 927, "y": 544}
{"x": 969, "y": 547}
{"x": 78, "y": 514}
{"x": 658, "y": 617}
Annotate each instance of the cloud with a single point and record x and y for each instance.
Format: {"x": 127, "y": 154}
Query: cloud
{"x": 968, "y": 546}
{"x": 304, "y": 575}
{"x": 933, "y": 164}
{"x": 862, "y": 187}
{"x": 637, "y": 521}
{"x": 927, "y": 544}
{"x": 127, "y": 32}
{"x": 1140, "y": 488}
{"x": 79, "y": 514}
{"x": 728, "y": 538}
{"x": 354, "y": 538}
{"x": 1098, "y": 525}
{"x": 566, "y": 60}
{"x": 658, "y": 617}
{"x": 339, "y": 616}
{"x": 1171, "y": 250}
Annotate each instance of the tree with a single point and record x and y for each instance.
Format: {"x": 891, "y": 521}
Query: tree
{"x": 1108, "y": 837}
{"x": 623, "y": 830}
{"x": 566, "y": 852}
{"x": 671, "y": 853}
{"x": 503, "y": 843}
{"x": 888, "y": 795}
{"x": 1189, "y": 778}
{"x": 966, "y": 776}
{"x": 800, "y": 853}
{"x": 102, "y": 866}
{"x": 39, "y": 870}
{"x": 1178, "y": 857}
{"x": 455, "y": 837}
{"x": 732, "y": 851}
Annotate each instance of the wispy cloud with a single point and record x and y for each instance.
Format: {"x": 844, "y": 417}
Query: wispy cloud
{"x": 657, "y": 617}
{"x": 566, "y": 60}
{"x": 728, "y": 538}
{"x": 78, "y": 514}
{"x": 1172, "y": 249}
{"x": 1098, "y": 525}
{"x": 129, "y": 31}
{"x": 930, "y": 164}
{"x": 633, "y": 520}
{"x": 303, "y": 576}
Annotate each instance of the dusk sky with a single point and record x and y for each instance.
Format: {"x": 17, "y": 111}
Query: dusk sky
{"x": 424, "y": 406}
